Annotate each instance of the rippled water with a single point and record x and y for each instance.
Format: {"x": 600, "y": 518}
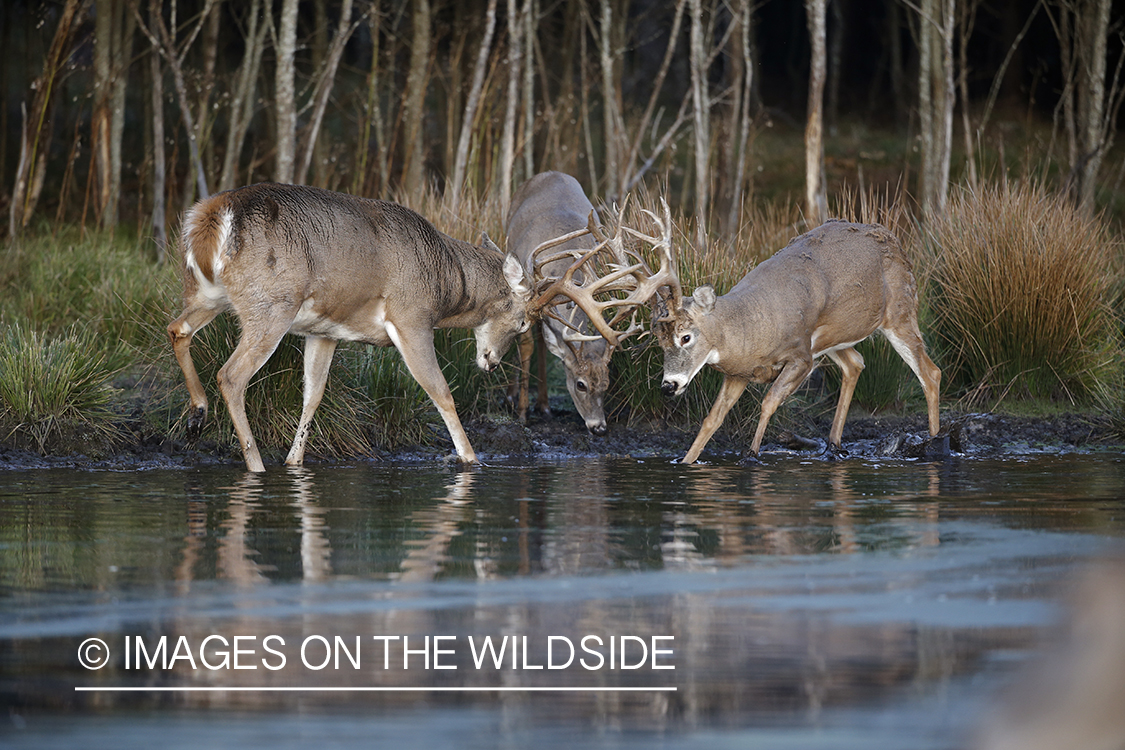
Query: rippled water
{"x": 794, "y": 604}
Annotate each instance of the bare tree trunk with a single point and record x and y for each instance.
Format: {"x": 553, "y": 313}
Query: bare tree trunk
{"x": 609, "y": 99}
{"x": 372, "y": 116}
{"x": 161, "y": 38}
{"x": 935, "y": 92}
{"x": 745, "y": 18}
{"x": 242, "y": 96}
{"x": 325, "y": 79}
{"x": 159, "y": 233}
{"x": 816, "y": 195}
{"x": 113, "y": 41}
{"x": 967, "y": 19}
{"x": 1092, "y": 27}
{"x": 414, "y": 100}
{"x": 285, "y": 94}
{"x": 701, "y": 105}
{"x": 530, "y": 20}
{"x": 468, "y": 120}
{"x": 36, "y": 132}
{"x": 508, "y": 136}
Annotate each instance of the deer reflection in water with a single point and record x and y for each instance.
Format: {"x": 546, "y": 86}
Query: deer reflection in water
{"x": 756, "y": 513}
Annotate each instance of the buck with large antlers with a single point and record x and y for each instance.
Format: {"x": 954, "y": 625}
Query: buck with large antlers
{"x": 333, "y": 267}
{"x": 588, "y": 284}
{"x": 822, "y": 294}
{"x": 548, "y": 206}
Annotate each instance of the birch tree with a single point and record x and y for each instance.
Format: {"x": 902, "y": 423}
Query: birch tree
{"x": 935, "y": 101}
{"x": 414, "y": 99}
{"x": 508, "y": 136}
{"x": 701, "y": 120}
{"x": 113, "y": 42}
{"x": 816, "y": 195}
{"x": 468, "y": 120}
{"x": 285, "y": 93}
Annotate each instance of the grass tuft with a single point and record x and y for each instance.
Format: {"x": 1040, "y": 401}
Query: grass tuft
{"x": 54, "y": 390}
{"x": 1020, "y": 295}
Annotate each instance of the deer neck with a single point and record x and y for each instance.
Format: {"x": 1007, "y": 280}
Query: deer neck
{"x": 472, "y": 281}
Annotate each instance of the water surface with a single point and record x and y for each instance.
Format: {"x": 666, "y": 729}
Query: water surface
{"x": 798, "y": 603}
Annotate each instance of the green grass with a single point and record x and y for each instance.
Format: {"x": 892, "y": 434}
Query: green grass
{"x": 54, "y": 390}
{"x": 1018, "y": 299}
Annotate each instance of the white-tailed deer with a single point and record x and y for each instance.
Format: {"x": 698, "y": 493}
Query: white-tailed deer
{"x": 822, "y": 294}
{"x": 586, "y": 288}
{"x": 547, "y": 206}
{"x": 333, "y": 267}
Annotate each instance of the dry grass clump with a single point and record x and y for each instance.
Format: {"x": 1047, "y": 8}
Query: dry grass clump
{"x": 1020, "y": 295}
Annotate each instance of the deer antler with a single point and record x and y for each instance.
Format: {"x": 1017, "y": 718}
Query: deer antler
{"x": 625, "y": 273}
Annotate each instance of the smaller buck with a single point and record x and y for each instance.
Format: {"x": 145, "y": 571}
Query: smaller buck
{"x": 821, "y": 295}
{"x": 547, "y": 206}
{"x": 334, "y": 267}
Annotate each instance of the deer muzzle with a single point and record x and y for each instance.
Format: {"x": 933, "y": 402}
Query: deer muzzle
{"x": 671, "y": 387}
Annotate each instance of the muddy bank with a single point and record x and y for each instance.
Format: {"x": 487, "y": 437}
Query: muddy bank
{"x": 563, "y": 436}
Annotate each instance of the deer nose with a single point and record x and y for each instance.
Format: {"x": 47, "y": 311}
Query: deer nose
{"x": 598, "y": 429}
{"x": 668, "y": 387}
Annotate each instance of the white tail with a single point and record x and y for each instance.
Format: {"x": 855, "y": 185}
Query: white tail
{"x": 825, "y": 292}
{"x": 333, "y": 267}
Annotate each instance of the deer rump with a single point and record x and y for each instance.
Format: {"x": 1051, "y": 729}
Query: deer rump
{"x": 332, "y": 267}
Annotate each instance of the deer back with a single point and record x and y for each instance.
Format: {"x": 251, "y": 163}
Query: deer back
{"x": 269, "y": 244}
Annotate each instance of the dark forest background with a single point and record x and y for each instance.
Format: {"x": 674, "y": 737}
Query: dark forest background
{"x": 706, "y": 100}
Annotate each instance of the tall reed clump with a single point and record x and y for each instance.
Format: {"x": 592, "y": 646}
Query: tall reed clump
{"x": 1020, "y": 295}
{"x": 54, "y": 389}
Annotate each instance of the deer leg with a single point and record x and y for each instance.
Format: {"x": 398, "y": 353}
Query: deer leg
{"x": 254, "y": 350}
{"x": 791, "y": 376}
{"x": 851, "y": 365}
{"x": 728, "y": 395}
{"x": 912, "y": 349}
{"x": 523, "y": 385}
{"x": 417, "y": 350}
{"x": 542, "y": 402}
{"x": 181, "y": 331}
{"x": 318, "y": 359}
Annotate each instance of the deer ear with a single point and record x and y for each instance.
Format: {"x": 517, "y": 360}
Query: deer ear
{"x": 486, "y": 241}
{"x": 553, "y": 344}
{"x": 704, "y": 299}
{"x": 516, "y": 278}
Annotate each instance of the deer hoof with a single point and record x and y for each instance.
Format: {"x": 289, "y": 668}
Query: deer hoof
{"x": 834, "y": 452}
{"x": 195, "y": 422}
{"x": 750, "y": 458}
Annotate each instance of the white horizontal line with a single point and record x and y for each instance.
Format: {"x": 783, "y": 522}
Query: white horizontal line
{"x": 122, "y": 689}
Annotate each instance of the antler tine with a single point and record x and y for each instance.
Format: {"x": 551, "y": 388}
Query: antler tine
{"x": 626, "y": 271}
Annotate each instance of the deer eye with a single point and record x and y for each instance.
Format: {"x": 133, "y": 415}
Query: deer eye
{"x": 581, "y": 386}
{"x": 685, "y": 339}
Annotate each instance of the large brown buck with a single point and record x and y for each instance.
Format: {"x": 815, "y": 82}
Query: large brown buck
{"x": 821, "y": 295}
{"x": 548, "y": 206}
{"x": 586, "y": 286}
{"x": 333, "y": 267}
